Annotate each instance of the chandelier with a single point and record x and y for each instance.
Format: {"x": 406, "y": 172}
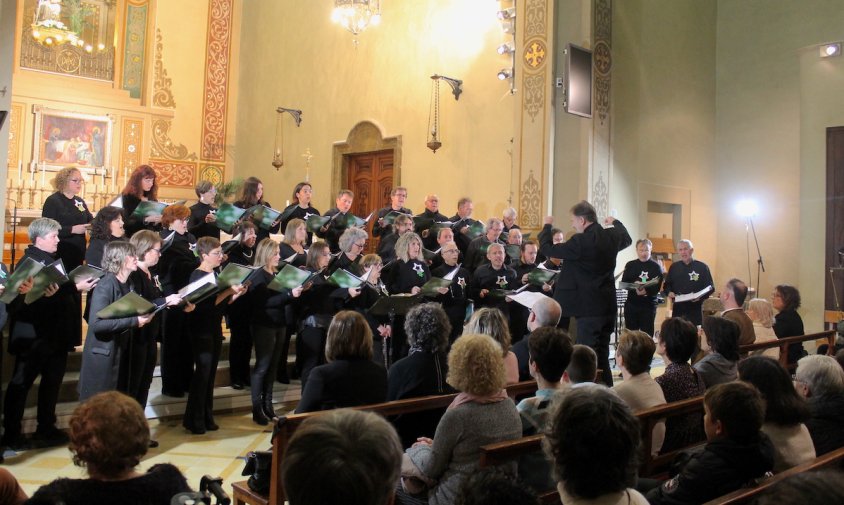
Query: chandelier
{"x": 48, "y": 28}
{"x": 356, "y": 15}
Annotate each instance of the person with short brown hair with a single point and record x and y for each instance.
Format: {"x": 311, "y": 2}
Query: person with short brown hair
{"x": 108, "y": 436}
{"x": 350, "y": 377}
{"x": 203, "y": 214}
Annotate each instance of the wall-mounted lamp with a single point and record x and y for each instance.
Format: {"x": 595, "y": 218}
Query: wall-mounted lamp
{"x": 830, "y": 50}
{"x": 509, "y": 13}
{"x": 506, "y": 48}
{"x": 504, "y": 74}
{"x": 278, "y": 152}
{"x": 434, "y": 133}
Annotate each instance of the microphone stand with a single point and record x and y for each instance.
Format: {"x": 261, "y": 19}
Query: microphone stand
{"x": 760, "y": 265}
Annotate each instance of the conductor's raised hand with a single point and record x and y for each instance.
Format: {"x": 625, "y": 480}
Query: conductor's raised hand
{"x": 548, "y": 220}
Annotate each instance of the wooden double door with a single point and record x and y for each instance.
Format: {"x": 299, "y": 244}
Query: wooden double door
{"x": 370, "y": 176}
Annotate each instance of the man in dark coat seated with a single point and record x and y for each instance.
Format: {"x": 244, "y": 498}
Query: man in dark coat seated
{"x": 821, "y": 380}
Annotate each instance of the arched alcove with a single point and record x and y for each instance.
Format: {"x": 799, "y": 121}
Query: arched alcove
{"x": 364, "y": 137}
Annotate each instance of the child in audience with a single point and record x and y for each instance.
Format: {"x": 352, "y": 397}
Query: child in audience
{"x": 583, "y": 367}
{"x": 736, "y": 452}
{"x": 638, "y": 389}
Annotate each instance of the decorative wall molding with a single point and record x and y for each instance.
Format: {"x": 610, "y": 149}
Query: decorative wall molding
{"x": 603, "y": 57}
{"x": 536, "y": 15}
{"x": 178, "y": 174}
{"x": 134, "y": 51}
{"x": 217, "y": 62}
{"x": 599, "y": 174}
{"x": 163, "y": 147}
{"x": 131, "y": 140}
{"x": 530, "y": 208}
{"x": 212, "y": 173}
{"x": 162, "y": 95}
{"x": 15, "y": 131}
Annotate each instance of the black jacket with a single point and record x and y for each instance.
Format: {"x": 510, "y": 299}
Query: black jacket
{"x": 586, "y": 286}
{"x": 68, "y": 212}
{"x": 344, "y": 383}
{"x": 722, "y": 467}
{"x": 826, "y": 424}
{"x": 197, "y": 225}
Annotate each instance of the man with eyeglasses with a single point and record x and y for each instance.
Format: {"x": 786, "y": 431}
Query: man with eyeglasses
{"x": 387, "y": 247}
{"x": 397, "y": 198}
{"x": 454, "y": 301}
{"x": 491, "y": 281}
{"x": 476, "y": 252}
{"x": 426, "y": 221}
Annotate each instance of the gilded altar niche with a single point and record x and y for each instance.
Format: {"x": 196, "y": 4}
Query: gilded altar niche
{"x": 91, "y": 22}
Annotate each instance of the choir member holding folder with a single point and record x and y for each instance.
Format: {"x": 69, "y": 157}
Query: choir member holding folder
{"x": 292, "y": 248}
{"x": 206, "y": 339}
{"x": 314, "y": 310}
{"x": 251, "y": 195}
{"x": 109, "y": 345}
{"x": 362, "y": 297}
{"x": 203, "y": 214}
{"x": 299, "y": 209}
{"x": 269, "y": 325}
{"x": 407, "y": 276}
{"x": 352, "y": 243}
{"x": 456, "y": 298}
{"x": 69, "y": 209}
{"x": 39, "y": 339}
{"x": 142, "y": 186}
{"x": 239, "y": 313}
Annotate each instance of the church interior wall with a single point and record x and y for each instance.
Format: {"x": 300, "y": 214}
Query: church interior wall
{"x": 7, "y": 44}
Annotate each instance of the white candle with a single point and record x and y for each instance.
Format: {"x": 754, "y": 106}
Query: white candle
{"x": 32, "y": 173}
{"x": 102, "y": 177}
{"x": 20, "y": 170}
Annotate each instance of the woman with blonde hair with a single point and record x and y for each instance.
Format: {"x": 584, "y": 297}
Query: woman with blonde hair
{"x": 761, "y": 312}
{"x": 293, "y": 245}
{"x": 488, "y": 321}
{"x": 481, "y": 414}
{"x": 350, "y": 377}
{"x": 70, "y": 210}
{"x": 407, "y": 274}
{"x": 269, "y": 325}
{"x": 108, "y": 436}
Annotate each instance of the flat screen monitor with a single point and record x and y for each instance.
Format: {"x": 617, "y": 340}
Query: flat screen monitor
{"x": 578, "y": 81}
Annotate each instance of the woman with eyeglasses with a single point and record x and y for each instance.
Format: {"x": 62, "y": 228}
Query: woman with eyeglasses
{"x": 362, "y": 298}
{"x": 70, "y": 210}
{"x": 352, "y": 243}
{"x": 144, "y": 282}
{"x": 407, "y": 276}
{"x": 206, "y": 339}
{"x": 455, "y": 299}
{"x": 141, "y": 187}
{"x": 174, "y": 269}
{"x": 314, "y": 310}
{"x": 203, "y": 214}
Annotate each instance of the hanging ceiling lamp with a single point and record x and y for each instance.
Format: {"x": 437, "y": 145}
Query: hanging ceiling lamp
{"x": 356, "y": 15}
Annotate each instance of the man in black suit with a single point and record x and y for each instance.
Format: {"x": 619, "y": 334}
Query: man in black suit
{"x": 585, "y": 288}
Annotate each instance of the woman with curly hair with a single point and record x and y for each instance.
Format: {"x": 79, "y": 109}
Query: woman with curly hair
{"x": 481, "y": 414}
{"x": 352, "y": 243}
{"x": 108, "y": 436}
{"x": 106, "y": 227}
{"x": 350, "y": 378}
{"x": 488, "y": 321}
{"x": 141, "y": 187}
{"x": 70, "y": 210}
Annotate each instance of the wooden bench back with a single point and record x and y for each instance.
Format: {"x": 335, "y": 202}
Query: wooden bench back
{"x": 747, "y": 495}
{"x": 287, "y": 425}
{"x": 783, "y": 343}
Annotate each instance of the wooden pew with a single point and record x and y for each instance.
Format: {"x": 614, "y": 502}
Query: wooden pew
{"x": 782, "y": 344}
{"x": 748, "y": 494}
{"x": 287, "y": 425}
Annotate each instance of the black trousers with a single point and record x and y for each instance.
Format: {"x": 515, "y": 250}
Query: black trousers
{"x": 176, "y": 362}
{"x": 268, "y": 344}
{"x": 692, "y": 311}
{"x": 142, "y": 356}
{"x": 638, "y": 317}
{"x": 206, "y": 356}
{"x": 240, "y": 349}
{"x": 28, "y": 366}
{"x": 310, "y": 350}
{"x": 595, "y": 331}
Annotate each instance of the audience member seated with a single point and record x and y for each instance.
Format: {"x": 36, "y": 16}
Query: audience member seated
{"x": 481, "y": 414}
{"x": 788, "y": 323}
{"x": 550, "y": 353}
{"x": 583, "y": 367}
{"x": 732, "y": 299}
{"x": 345, "y": 453}
{"x": 492, "y": 486}
{"x": 350, "y": 377}
{"x": 722, "y": 337}
{"x": 823, "y": 486}
{"x": 785, "y": 411}
{"x": 593, "y": 441}
{"x": 761, "y": 313}
{"x": 489, "y": 321}
{"x": 736, "y": 452}
{"x": 638, "y": 389}
{"x": 545, "y": 312}
{"x": 676, "y": 343}
{"x": 423, "y": 371}
{"x": 108, "y": 436}
{"x": 820, "y": 379}
{"x": 11, "y": 492}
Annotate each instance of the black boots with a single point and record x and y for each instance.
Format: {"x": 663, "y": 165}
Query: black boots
{"x": 258, "y": 416}
{"x": 267, "y": 404}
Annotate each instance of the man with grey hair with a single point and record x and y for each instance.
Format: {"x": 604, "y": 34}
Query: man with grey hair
{"x": 426, "y": 221}
{"x": 40, "y": 342}
{"x": 685, "y": 277}
{"x": 544, "y": 313}
{"x": 477, "y": 250}
{"x": 821, "y": 380}
{"x": 343, "y": 453}
{"x": 509, "y": 220}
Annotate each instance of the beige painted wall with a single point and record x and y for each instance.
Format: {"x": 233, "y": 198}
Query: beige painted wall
{"x": 292, "y": 55}
{"x": 7, "y": 45}
{"x": 663, "y": 113}
{"x": 775, "y": 99}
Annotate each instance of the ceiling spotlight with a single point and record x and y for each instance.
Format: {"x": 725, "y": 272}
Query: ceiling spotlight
{"x": 509, "y": 13}
{"x": 506, "y": 48}
{"x": 828, "y": 50}
{"x": 505, "y": 73}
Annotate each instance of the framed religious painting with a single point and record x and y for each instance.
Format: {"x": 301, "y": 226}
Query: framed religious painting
{"x": 71, "y": 139}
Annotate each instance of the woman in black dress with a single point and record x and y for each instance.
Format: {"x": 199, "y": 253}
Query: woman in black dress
{"x": 787, "y": 322}
{"x": 106, "y": 227}
{"x": 206, "y": 339}
{"x": 269, "y": 325}
{"x": 314, "y": 310}
{"x": 140, "y": 187}
{"x": 294, "y": 243}
{"x": 301, "y": 205}
{"x": 66, "y": 207}
{"x": 352, "y": 243}
{"x": 203, "y": 214}
{"x": 251, "y": 195}
{"x": 406, "y": 276}
{"x": 240, "y": 312}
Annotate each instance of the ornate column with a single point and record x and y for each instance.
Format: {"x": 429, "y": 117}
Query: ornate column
{"x": 599, "y": 170}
